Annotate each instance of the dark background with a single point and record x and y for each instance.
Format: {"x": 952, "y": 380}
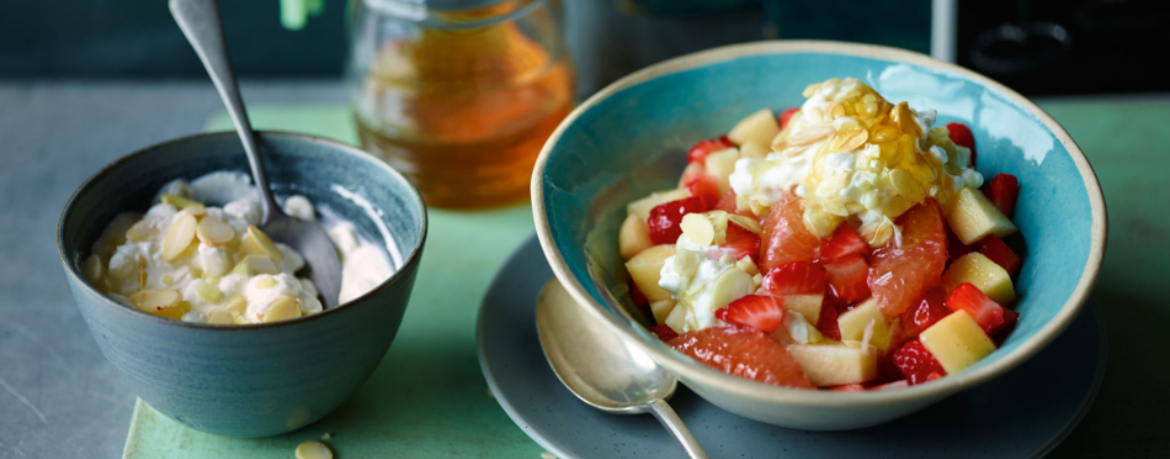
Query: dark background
{"x": 1117, "y": 45}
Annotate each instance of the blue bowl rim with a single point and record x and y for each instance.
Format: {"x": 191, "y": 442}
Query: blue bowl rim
{"x": 411, "y": 259}
{"x": 690, "y": 370}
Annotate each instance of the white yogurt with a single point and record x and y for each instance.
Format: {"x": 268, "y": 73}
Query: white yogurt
{"x": 364, "y": 264}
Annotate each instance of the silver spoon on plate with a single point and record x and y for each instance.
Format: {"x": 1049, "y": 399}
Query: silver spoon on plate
{"x": 200, "y": 22}
{"x": 602, "y": 370}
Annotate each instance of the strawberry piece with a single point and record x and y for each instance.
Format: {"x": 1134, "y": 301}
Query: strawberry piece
{"x": 827, "y": 322}
{"x": 663, "y": 332}
{"x": 995, "y": 250}
{"x": 739, "y": 243}
{"x": 785, "y": 237}
{"x": 899, "y": 276}
{"x": 786, "y": 116}
{"x": 961, "y": 136}
{"x": 848, "y": 278}
{"x": 916, "y": 363}
{"x": 796, "y": 278}
{"x": 955, "y": 247}
{"x": 705, "y": 187}
{"x": 665, "y": 219}
{"x": 989, "y": 314}
{"x": 637, "y": 296}
{"x": 844, "y": 242}
{"x": 761, "y": 312}
{"x": 930, "y": 309}
{"x": 699, "y": 152}
{"x": 743, "y": 352}
{"x": 1003, "y": 191}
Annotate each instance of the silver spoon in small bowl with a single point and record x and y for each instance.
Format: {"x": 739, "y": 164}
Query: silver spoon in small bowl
{"x": 602, "y": 370}
{"x": 200, "y": 22}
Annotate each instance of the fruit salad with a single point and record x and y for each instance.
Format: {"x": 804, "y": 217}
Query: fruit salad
{"x": 846, "y": 244}
{"x": 190, "y": 261}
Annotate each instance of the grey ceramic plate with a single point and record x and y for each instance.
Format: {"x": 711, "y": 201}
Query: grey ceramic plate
{"x": 1025, "y": 413}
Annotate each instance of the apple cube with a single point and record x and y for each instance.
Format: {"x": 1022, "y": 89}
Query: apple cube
{"x": 720, "y": 165}
{"x": 853, "y": 323}
{"x": 754, "y": 149}
{"x": 662, "y": 310}
{"x": 972, "y": 216}
{"x": 760, "y": 126}
{"x": 645, "y": 268}
{"x": 957, "y": 342}
{"x": 836, "y": 364}
{"x": 642, "y": 207}
{"x": 987, "y": 275}
{"x": 808, "y": 306}
{"x": 634, "y": 237}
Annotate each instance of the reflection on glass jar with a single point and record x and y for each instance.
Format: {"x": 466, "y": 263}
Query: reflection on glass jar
{"x": 460, "y": 95}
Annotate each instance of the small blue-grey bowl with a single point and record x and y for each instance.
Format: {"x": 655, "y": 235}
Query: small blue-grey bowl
{"x": 261, "y": 379}
{"x": 630, "y": 139}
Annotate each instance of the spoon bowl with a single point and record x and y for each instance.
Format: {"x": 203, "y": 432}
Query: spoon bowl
{"x": 601, "y": 369}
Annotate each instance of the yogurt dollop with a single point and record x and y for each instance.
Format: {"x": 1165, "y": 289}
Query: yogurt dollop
{"x": 189, "y": 261}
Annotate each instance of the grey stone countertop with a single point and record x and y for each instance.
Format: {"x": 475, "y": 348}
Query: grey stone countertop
{"x": 59, "y": 398}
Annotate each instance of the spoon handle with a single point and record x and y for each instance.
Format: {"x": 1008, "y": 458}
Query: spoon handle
{"x": 199, "y": 20}
{"x": 666, "y": 415}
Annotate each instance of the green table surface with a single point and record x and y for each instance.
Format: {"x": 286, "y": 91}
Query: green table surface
{"x": 428, "y": 399}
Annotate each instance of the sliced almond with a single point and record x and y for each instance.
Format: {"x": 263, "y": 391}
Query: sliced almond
{"x": 153, "y": 300}
{"x": 138, "y": 232}
{"x": 213, "y": 231}
{"x": 179, "y": 236}
{"x": 811, "y": 134}
{"x": 906, "y": 185}
{"x": 226, "y": 313}
{"x": 698, "y": 229}
{"x": 283, "y": 308}
{"x": 745, "y": 222}
{"x": 313, "y": 450}
{"x": 854, "y": 140}
{"x": 256, "y": 242}
{"x": 91, "y": 269}
{"x": 905, "y": 119}
{"x": 179, "y": 202}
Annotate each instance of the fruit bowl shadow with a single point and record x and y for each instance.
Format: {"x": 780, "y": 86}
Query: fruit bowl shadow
{"x": 626, "y": 141}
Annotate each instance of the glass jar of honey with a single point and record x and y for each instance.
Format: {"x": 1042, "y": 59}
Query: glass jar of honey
{"x": 459, "y": 95}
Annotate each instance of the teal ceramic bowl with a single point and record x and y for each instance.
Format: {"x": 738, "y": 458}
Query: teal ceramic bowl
{"x": 629, "y": 140}
{"x": 262, "y": 379}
